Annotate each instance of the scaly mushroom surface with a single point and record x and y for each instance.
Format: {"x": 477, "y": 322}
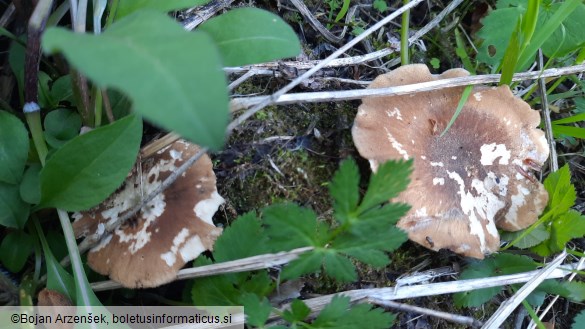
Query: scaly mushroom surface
{"x": 171, "y": 230}
{"x": 469, "y": 182}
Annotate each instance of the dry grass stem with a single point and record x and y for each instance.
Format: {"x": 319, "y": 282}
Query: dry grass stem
{"x": 330, "y": 96}
{"x": 200, "y": 14}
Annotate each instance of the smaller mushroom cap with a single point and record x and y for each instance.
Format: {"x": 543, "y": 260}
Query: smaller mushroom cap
{"x": 171, "y": 230}
{"x": 469, "y": 182}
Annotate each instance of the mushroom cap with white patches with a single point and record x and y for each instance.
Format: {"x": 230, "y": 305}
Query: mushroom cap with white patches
{"x": 171, "y": 230}
{"x": 471, "y": 181}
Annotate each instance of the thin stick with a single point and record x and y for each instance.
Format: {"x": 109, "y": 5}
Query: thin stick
{"x": 241, "y": 265}
{"x": 330, "y": 96}
{"x": 554, "y": 162}
{"x": 507, "y": 307}
{"x": 272, "y": 99}
{"x": 464, "y": 320}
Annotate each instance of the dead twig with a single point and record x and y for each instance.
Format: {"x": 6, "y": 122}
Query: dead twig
{"x": 199, "y": 15}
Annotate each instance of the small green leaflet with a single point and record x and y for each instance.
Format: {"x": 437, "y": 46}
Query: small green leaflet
{"x": 249, "y": 35}
{"x": 339, "y": 314}
{"x": 13, "y": 148}
{"x": 257, "y": 311}
{"x": 61, "y": 125}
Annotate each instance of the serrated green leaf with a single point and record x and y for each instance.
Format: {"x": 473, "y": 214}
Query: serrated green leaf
{"x": 338, "y": 314}
{"x": 30, "y": 187}
{"x": 258, "y": 283}
{"x": 538, "y": 235}
{"x": 290, "y": 226}
{"x": 250, "y": 35}
{"x": 13, "y": 210}
{"x": 561, "y": 192}
{"x": 298, "y": 311}
{"x": 496, "y": 32}
{"x": 377, "y": 220}
{"x": 576, "y": 289}
{"x": 243, "y": 238}
{"x": 13, "y": 148}
{"x": 61, "y": 125}
{"x": 15, "y": 249}
{"x": 568, "y": 226}
{"x": 213, "y": 290}
{"x": 173, "y": 76}
{"x": 391, "y": 178}
{"x": 344, "y": 190}
{"x": 90, "y": 167}
{"x": 339, "y": 267}
{"x": 373, "y": 257}
{"x": 306, "y": 263}
{"x": 257, "y": 311}
{"x": 127, "y": 7}
{"x": 499, "y": 264}
{"x": 579, "y": 321}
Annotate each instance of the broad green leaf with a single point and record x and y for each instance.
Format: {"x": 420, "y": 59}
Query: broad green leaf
{"x": 569, "y": 36}
{"x": 62, "y": 90}
{"x": 339, "y": 267}
{"x": 290, "y": 226}
{"x": 13, "y": 148}
{"x": 174, "y": 77}
{"x": 576, "y": 132}
{"x": 569, "y": 225}
{"x": 13, "y": 210}
{"x": 500, "y": 264}
{"x": 91, "y": 166}
{"x": 538, "y": 235}
{"x": 30, "y": 187}
{"x": 243, "y": 238}
{"x": 306, "y": 263}
{"x": 15, "y": 249}
{"x": 579, "y": 321}
{"x": 250, "y": 35}
{"x": 61, "y": 125}
{"x": 257, "y": 311}
{"x": 127, "y": 7}
{"x": 344, "y": 189}
{"x": 391, "y": 178}
{"x": 339, "y": 314}
{"x": 496, "y": 32}
{"x": 561, "y": 192}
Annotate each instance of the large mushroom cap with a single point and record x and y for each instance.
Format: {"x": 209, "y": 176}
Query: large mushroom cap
{"x": 473, "y": 179}
{"x": 172, "y": 229}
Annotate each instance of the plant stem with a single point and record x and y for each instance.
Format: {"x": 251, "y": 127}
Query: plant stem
{"x": 33, "y": 119}
{"x": 404, "y": 36}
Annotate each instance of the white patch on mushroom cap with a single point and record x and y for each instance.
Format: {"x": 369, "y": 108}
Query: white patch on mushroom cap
{"x": 103, "y": 243}
{"x": 205, "y": 209}
{"x": 479, "y": 209}
{"x": 170, "y": 256}
{"x": 176, "y": 155}
{"x": 192, "y": 248}
{"x": 437, "y": 164}
{"x": 490, "y": 152}
{"x": 477, "y": 96}
{"x": 438, "y": 181}
{"x": 394, "y": 113}
{"x": 396, "y": 145}
{"x": 150, "y": 213}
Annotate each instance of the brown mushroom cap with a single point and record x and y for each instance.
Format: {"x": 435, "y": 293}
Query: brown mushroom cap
{"x": 473, "y": 179}
{"x": 171, "y": 230}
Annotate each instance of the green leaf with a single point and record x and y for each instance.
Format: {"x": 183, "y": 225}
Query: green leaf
{"x": 566, "y": 227}
{"x": 90, "y": 167}
{"x": 569, "y": 36}
{"x": 496, "y": 32}
{"x": 298, "y": 311}
{"x": 243, "y": 238}
{"x": 559, "y": 130}
{"x": 344, "y": 189}
{"x": 15, "y": 249}
{"x": 561, "y": 192}
{"x": 339, "y": 267}
{"x": 306, "y": 263}
{"x": 250, "y": 35}
{"x": 257, "y": 311}
{"x": 290, "y": 226}
{"x": 127, "y": 7}
{"x": 213, "y": 290}
{"x": 13, "y": 210}
{"x": 30, "y": 187}
{"x": 579, "y": 321}
{"x": 61, "y": 125}
{"x": 538, "y": 235}
{"x": 13, "y": 148}
{"x": 500, "y": 264}
{"x": 338, "y": 314}
{"x": 391, "y": 178}
{"x": 62, "y": 90}
{"x": 462, "y": 101}
{"x": 174, "y": 77}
